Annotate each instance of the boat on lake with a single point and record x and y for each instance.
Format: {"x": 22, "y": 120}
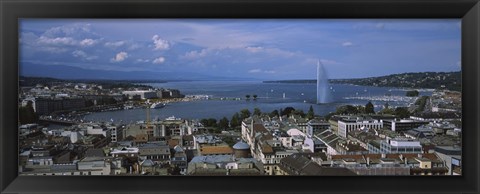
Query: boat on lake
{"x": 158, "y": 105}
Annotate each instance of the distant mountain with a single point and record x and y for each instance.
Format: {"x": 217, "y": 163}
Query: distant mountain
{"x": 433, "y": 80}
{"x": 69, "y": 73}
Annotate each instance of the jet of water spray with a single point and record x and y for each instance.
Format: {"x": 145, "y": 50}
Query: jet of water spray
{"x": 323, "y": 92}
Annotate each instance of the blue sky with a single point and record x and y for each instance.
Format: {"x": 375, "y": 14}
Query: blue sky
{"x": 261, "y": 49}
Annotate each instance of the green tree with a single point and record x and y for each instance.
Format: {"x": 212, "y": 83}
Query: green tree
{"x": 299, "y": 113}
{"x": 223, "y": 123}
{"x": 247, "y": 96}
{"x": 329, "y": 115}
{"x": 412, "y": 93}
{"x": 287, "y": 111}
{"x": 235, "y": 121}
{"x": 204, "y": 122}
{"x": 421, "y": 102}
{"x": 310, "y": 113}
{"x": 402, "y": 112}
{"x": 360, "y": 109}
{"x": 244, "y": 113}
{"x": 387, "y": 111}
{"x": 210, "y": 122}
{"x": 369, "y": 109}
{"x": 257, "y": 111}
{"x": 255, "y": 97}
{"x": 173, "y": 170}
{"x": 274, "y": 113}
{"x": 346, "y": 110}
{"x": 386, "y": 105}
{"x": 229, "y": 140}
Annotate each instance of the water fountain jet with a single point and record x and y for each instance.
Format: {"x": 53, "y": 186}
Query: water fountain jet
{"x": 323, "y": 92}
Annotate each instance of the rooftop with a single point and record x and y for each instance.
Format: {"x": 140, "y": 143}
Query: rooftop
{"x": 212, "y": 150}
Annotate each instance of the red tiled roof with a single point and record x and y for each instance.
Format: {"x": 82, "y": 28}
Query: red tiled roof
{"x": 208, "y": 150}
{"x": 267, "y": 149}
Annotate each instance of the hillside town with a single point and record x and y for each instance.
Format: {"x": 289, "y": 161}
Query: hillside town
{"x": 426, "y": 141}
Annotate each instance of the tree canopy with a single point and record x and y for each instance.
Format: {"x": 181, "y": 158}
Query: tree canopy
{"x": 369, "y": 108}
{"x": 310, "y": 113}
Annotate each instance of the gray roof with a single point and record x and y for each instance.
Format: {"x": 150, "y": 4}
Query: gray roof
{"x": 148, "y": 163}
{"x": 94, "y": 153}
{"x": 300, "y": 164}
{"x": 178, "y": 148}
{"x": 241, "y": 146}
{"x": 153, "y": 149}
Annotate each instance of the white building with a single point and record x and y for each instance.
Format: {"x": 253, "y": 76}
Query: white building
{"x": 73, "y": 135}
{"x": 94, "y": 166}
{"x": 113, "y": 132}
{"x": 394, "y": 146}
{"x": 144, "y": 94}
{"x": 345, "y": 126}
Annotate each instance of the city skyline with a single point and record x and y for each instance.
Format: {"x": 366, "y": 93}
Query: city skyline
{"x": 241, "y": 48}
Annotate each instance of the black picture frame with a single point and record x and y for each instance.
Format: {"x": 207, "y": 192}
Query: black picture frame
{"x": 12, "y": 10}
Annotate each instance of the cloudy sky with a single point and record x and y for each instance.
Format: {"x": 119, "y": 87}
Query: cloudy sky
{"x": 262, "y": 49}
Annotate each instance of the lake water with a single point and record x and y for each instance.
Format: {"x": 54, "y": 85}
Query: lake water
{"x": 270, "y": 97}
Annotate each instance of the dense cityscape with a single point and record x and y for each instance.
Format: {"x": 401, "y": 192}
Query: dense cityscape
{"x": 228, "y": 97}
{"x": 420, "y": 139}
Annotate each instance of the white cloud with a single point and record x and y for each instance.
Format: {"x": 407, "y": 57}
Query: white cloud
{"x": 78, "y": 30}
{"x": 329, "y": 62}
{"x": 269, "y": 71}
{"x": 347, "y": 44}
{"x": 261, "y": 71}
{"x": 134, "y": 46}
{"x": 196, "y": 54}
{"x": 88, "y": 42}
{"x": 314, "y": 61}
{"x": 56, "y": 41}
{"x": 121, "y": 56}
{"x": 218, "y": 36}
{"x": 78, "y": 53}
{"x": 115, "y": 44}
{"x": 143, "y": 60}
{"x": 254, "y": 49}
{"x": 159, "y": 60}
{"x": 83, "y": 55}
{"x": 255, "y": 71}
{"x": 56, "y": 50}
{"x": 160, "y": 44}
